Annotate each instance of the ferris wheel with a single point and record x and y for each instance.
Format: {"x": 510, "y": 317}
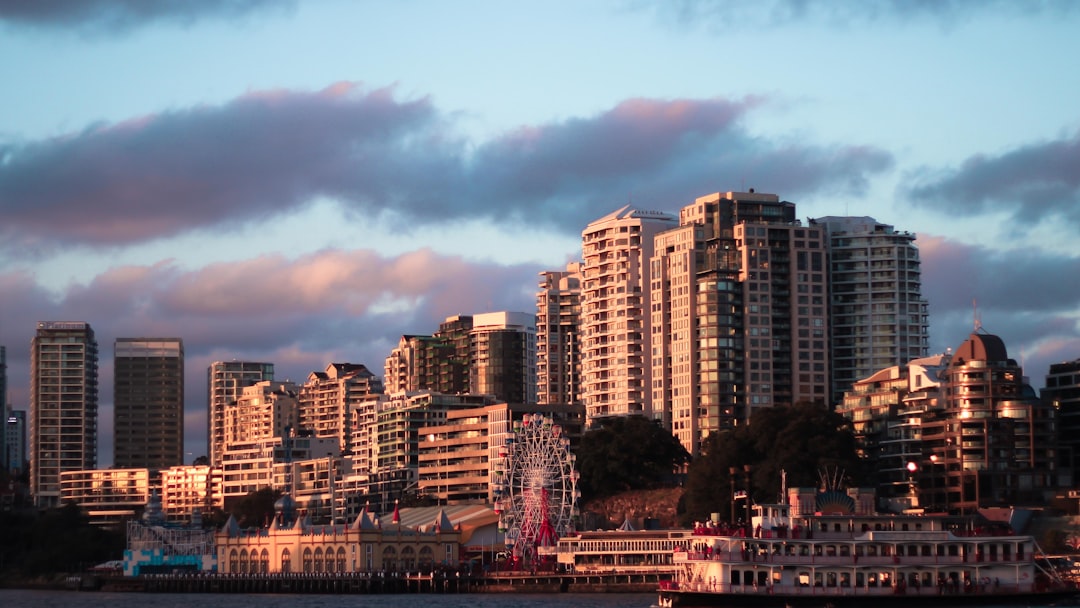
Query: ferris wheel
{"x": 536, "y": 493}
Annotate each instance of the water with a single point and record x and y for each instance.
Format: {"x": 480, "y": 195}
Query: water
{"x": 96, "y": 599}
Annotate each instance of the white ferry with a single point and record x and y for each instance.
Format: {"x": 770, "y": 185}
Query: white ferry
{"x": 831, "y": 549}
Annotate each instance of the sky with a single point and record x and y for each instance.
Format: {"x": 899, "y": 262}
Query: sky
{"x": 303, "y": 182}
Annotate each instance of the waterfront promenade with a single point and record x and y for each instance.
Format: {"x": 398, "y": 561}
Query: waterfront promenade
{"x": 385, "y": 583}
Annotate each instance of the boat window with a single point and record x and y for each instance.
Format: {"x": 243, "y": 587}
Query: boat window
{"x": 830, "y": 579}
{"x": 735, "y": 577}
{"x": 845, "y": 550}
{"x": 817, "y": 579}
{"x": 762, "y": 578}
{"x": 900, "y": 549}
{"x": 860, "y": 580}
{"x": 836, "y": 527}
{"x": 804, "y": 579}
{"x": 926, "y": 550}
{"x": 845, "y": 579}
{"x": 871, "y": 579}
{"x": 918, "y": 526}
{"x": 748, "y": 577}
{"x": 904, "y": 527}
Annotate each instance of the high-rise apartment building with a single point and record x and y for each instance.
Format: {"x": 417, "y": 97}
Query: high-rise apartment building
{"x": 4, "y": 407}
{"x": 878, "y": 315}
{"x": 1062, "y": 392}
{"x": 502, "y": 356}
{"x": 328, "y": 398}
{"x": 438, "y": 362}
{"x": 15, "y": 441}
{"x": 615, "y": 319}
{"x": 225, "y": 384}
{"x": 63, "y": 405}
{"x": 739, "y": 314}
{"x": 148, "y": 394}
{"x": 558, "y": 336}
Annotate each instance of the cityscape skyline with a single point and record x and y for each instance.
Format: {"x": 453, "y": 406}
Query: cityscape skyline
{"x": 189, "y": 174}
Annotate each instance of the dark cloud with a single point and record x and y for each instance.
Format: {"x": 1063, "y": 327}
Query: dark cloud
{"x": 1025, "y": 296}
{"x": 111, "y": 16}
{"x": 299, "y": 314}
{"x": 725, "y": 14}
{"x": 1034, "y": 183}
{"x": 272, "y": 152}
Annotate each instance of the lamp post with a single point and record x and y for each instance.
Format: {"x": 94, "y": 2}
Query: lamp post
{"x": 731, "y": 472}
{"x": 913, "y": 498}
{"x": 749, "y": 518}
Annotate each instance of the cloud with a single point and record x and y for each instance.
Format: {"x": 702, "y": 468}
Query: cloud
{"x": 721, "y": 13}
{"x": 113, "y": 16}
{"x": 1023, "y": 296}
{"x": 272, "y": 152}
{"x": 300, "y": 314}
{"x": 1032, "y": 182}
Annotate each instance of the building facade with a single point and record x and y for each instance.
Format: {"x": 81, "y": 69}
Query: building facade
{"x": 879, "y": 317}
{"x": 225, "y": 381}
{"x": 957, "y": 432}
{"x": 558, "y": 336}
{"x": 502, "y": 356}
{"x": 148, "y": 398}
{"x": 1062, "y": 392}
{"x": 109, "y": 497}
{"x": 190, "y": 489}
{"x": 15, "y": 441}
{"x": 616, "y": 325}
{"x": 328, "y": 398}
{"x": 63, "y": 405}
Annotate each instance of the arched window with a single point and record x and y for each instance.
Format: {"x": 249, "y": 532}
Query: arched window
{"x": 264, "y": 561}
{"x": 286, "y": 561}
{"x": 307, "y": 559}
{"x": 318, "y": 560}
{"x": 341, "y": 559}
{"x": 389, "y": 559}
{"x": 233, "y": 565}
{"x": 427, "y": 561}
{"x": 408, "y": 558}
{"x": 243, "y": 561}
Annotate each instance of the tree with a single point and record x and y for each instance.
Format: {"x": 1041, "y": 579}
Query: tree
{"x": 256, "y": 509}
{"x": 799, "y": 441}
{"x": 628, "y": 453}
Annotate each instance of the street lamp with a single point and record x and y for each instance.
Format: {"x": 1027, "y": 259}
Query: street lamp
{"x": 912, "y": 466}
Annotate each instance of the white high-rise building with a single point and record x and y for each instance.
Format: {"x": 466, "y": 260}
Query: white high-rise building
{"x": 63, "y": 405}
{"x": 502, "y": 356}
{"x": 879, "y": 318}
{"x": 616, "y": 324}
{"x": 225, "y": 382}
{"x": 558, "y": 336}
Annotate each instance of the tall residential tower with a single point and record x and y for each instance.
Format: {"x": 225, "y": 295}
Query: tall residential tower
{"x": 148, "y": 413}
{"x": 63, "y": 405}
{"x": 879, "y": 318}
{"x": 225, "y": 384}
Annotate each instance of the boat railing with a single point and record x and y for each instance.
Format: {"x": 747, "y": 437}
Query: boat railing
{"x": 741, "y": 557}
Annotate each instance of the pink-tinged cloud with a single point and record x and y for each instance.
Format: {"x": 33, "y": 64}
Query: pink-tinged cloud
{"x": 1033, "y": 183}
{"x": 300, "y": 314}
{"x": 1027, "y": 297}
{"x": 273, "y": 152}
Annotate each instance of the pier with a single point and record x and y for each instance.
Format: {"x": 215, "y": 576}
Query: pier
{"x": 386, "y": 583}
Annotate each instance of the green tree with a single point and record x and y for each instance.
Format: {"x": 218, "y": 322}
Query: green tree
{"x": 798, "y": 442}
{"x": 628, "y": 453}
{"x": 256, "y": 509}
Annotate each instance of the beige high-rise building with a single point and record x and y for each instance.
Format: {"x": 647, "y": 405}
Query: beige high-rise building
{"x": 225, "y": 382}
{"x": 63, "y": 405}
{"x": 879, "y": 318}
{"x": 328, "y": 398}
{"x": 739, "y": 314}
{"x": 616, "y": 324}
{"x": 558, "y": 336}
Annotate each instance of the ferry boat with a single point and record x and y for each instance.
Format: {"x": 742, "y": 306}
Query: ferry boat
{"x": 831, "y": 549}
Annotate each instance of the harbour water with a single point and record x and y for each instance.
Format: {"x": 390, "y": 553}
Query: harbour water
{"x": 16, "y": 598}
{"x": 95, "y": 599}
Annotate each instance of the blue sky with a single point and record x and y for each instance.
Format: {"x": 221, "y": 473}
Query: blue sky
{"x": 303, "y": 182}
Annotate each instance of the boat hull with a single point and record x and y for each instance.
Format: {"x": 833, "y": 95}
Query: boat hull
{"x": 697, "y": 599}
